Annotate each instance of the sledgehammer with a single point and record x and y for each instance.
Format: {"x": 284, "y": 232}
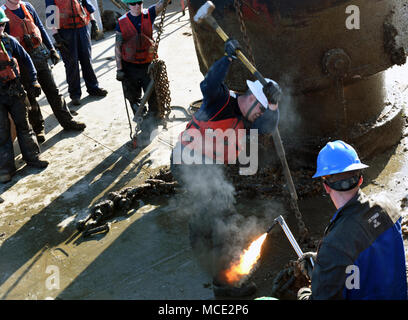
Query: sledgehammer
{"x": 204, "y": 13}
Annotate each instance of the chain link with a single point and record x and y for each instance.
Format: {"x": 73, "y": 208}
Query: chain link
{"x": 343, "y": 103}
{"x": 238, "y": 11}
{"x": 304, "y": 232}
{"x": 159, "y": 74}
{"x": 161, "y": 82}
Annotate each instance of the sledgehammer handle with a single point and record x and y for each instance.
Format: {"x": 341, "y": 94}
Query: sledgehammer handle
{"x": 213, "y": 23}
{"x": 281, "y": 153}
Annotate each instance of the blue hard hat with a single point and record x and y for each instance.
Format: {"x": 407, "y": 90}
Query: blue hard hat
{"x": 337, "y": 157}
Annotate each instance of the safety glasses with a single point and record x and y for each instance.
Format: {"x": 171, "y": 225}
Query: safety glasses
{"x": 135, "y": 3}
{"x": 256, "y": 102}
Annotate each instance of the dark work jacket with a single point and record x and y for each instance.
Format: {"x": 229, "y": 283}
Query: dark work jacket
{"x": 361, "y": 256}
{"x": 216, "y": 94}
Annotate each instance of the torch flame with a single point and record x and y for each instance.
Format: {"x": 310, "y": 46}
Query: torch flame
{"x": 246, "y": 262}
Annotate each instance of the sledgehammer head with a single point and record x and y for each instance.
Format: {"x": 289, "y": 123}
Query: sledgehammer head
{"x": 205, "y": 11}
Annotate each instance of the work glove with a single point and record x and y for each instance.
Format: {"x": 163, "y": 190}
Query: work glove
{"x": 35, "y": 89}
{"x": 272, "y": 92}
{"x": 305, "y": 265}
{"x": 54, "y": 56}
{"x": 230, "y": 48}
{"x": 94, "y": 29}
{"x": 120, "y": 75}
{"x": 61, "y": 43}
{"x": 304, "y": 293}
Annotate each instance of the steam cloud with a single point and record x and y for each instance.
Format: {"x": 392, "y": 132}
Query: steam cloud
{"x": 218, "y": 233}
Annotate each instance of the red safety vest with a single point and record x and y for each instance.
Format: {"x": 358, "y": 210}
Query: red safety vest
{"x": 72, "y": 14}
{"x": 24, "y": 27}
{"x": 137, "y": 47}
{"x": 220, "y": 139}
{"x": 8, "y": 67}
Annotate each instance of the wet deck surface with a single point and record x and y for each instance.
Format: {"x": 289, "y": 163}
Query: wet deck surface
{"x": 146, "y": 255}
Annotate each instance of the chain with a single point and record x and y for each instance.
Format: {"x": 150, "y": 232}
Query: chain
{"x": 237, "y": 4}
{"x": 238, "y": 11}
{"x": 161, "y": 82}
{"x": 343, "y": 103}
{"x": 159, "y": 74}
{"x": 304, "y": 232}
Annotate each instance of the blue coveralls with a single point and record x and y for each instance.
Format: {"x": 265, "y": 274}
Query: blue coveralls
{"x": 79, "y": 40}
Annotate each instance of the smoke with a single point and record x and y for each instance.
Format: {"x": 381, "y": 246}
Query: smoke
{"x": 218, "y": 233}
{"x": 289, "y": 118}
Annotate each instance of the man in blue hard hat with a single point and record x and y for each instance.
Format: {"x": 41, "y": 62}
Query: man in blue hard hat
{"x": 361, "y": 256}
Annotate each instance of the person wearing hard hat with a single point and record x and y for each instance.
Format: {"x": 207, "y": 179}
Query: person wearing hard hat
{"x": 225, "y": 109}
{"x": 13, "y": 101}
{"x": 73, "y": 40}
{"x": 213, "y": 220}
{"x": 361, "y": 256}
{"x": 27, "y": 28}
{"x": 134, "y": 52}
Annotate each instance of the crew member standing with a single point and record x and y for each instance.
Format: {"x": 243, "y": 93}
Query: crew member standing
{"x": 361, "y": 256}
{"x": 28, "y": 29}
{"x": 13, "y": 101}
{"x": 134, "y": 51}
{"x": 73, "y": 40}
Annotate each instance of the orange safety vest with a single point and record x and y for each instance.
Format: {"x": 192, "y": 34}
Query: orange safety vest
{"x": 219, "y": 139}
{"x": 8, "y": 67}
{"x": 23, "y": 28}
{"x": 72, "y": 14}
{"x": 137, "y": 47}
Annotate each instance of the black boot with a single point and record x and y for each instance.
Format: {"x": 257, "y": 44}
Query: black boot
{"x": 5, "y": 177}
{"x": 74, "y": 126}
{"x": 38, "y": 163}
{"x": 98, "y": 92}
{"x": 40, "y": 137}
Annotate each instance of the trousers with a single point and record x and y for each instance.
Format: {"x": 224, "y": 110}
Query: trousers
{"x": 79, "y": 52}
{"x": 50, "y": 89}
{"x": 17, "y": 107}
{"x": 136, "y": 79}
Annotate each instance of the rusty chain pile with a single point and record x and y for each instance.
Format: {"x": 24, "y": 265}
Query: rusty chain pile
{"x": 123, "y": 200}
{"x": 161, "y": 82}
